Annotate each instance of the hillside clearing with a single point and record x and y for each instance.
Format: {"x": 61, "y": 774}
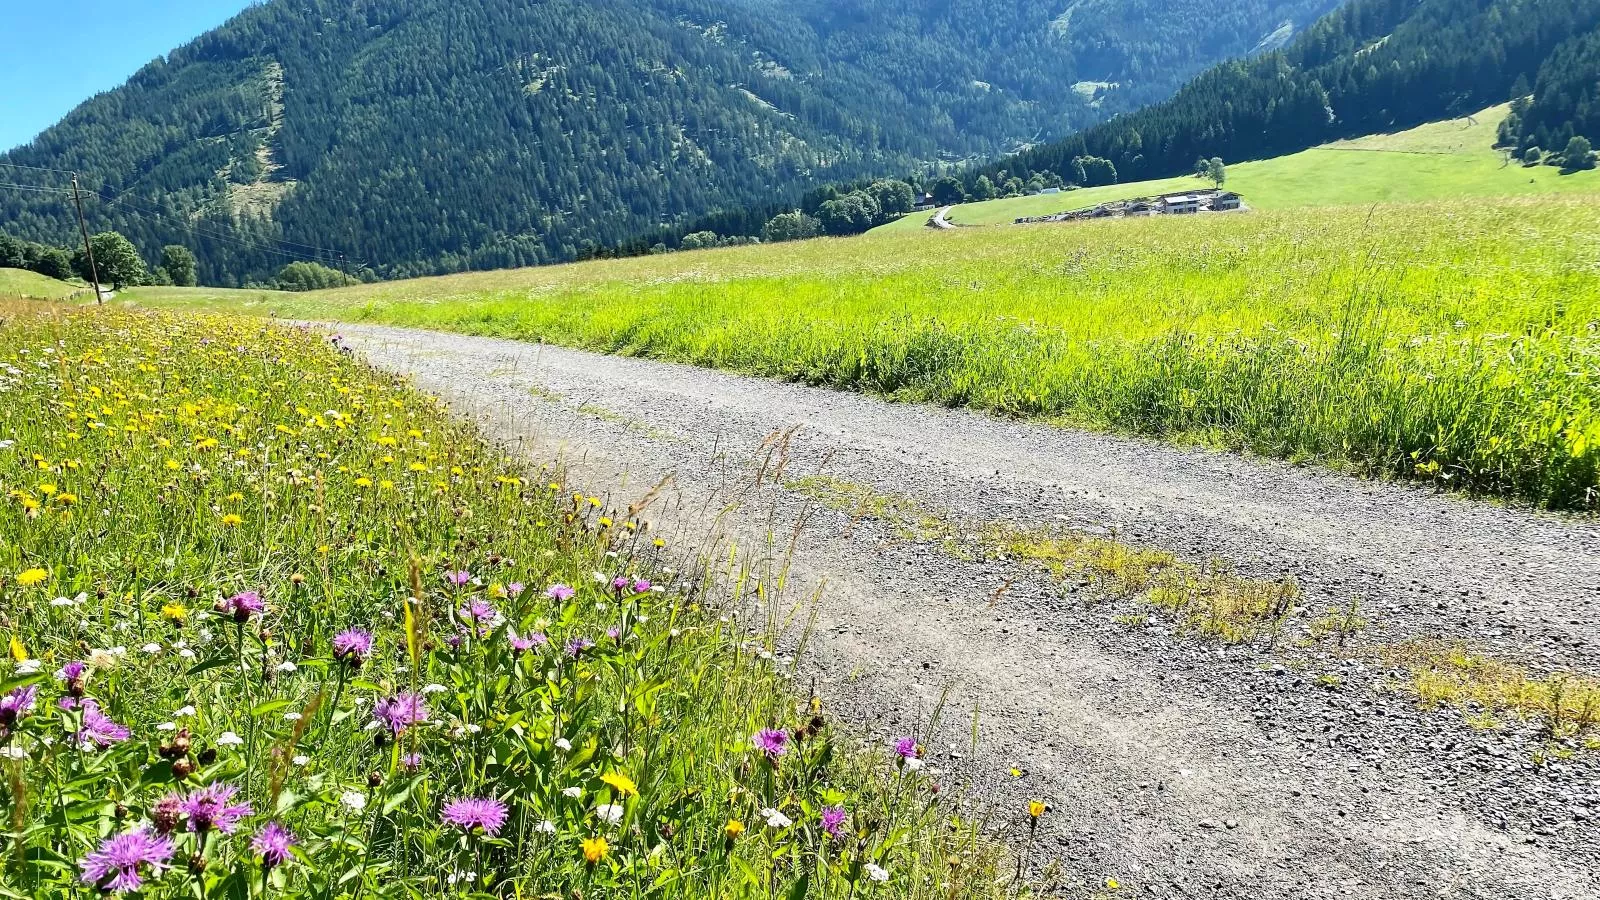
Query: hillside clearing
{"x": 1454, "y": 159}
{"x": 20, "y": 283}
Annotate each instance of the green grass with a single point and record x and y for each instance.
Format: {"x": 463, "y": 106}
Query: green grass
{"x": 159, "y": 470}
{"x": 22, "y": 283}
{"x": 1448, "y": 342}
{"x": 1437, "y": 161}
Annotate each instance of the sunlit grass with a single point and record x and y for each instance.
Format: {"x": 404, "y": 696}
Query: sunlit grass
{"x": 209, "y": 513}
{"x": 1449, "y": 343}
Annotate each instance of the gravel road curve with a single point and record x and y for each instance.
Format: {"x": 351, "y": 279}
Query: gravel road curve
{"x": 1178, "y": 767}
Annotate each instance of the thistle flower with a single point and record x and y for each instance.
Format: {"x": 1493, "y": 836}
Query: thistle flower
{"x": 620, "y": 583}
{"x": 772, "y": 742}
{"x": 833, "y": 819}
{"x": 524, "y": 644}
{"x": 641, "y": 586}
{"x": 211, "y": 807}
{"x": 272, "y": 844}
{"x": 116, "y": 866}
{"x": 576, "y": 646}
{"x": 459, "y": 578}
{"x": 906, "y": 748}
{"x": 16, "y": 704}
{"x": 559, "y": 592}
{"x": 98, "y": 728}
{"x": 516, "y": 588}
{"x": 353, "y": 646}
{"x": 471, "y": 813}
{"x": 479, "y": 610}
{"x": 400, "y": 712}
{"x": 243, "y": 606}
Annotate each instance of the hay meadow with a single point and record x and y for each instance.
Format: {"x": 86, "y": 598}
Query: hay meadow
{"x": 1452, "y": 342}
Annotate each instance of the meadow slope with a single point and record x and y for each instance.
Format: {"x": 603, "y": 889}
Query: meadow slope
{"x": 1449, "y": 342}
{"x": 1449, "y": 160}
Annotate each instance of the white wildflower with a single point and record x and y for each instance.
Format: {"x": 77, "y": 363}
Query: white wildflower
{"x": 229, "y": 739}
{"x": 776, "y": 819}
{"x": 877, "y": 872}
{"x": 610, "y": 813}
{"x": 356, "y": 802}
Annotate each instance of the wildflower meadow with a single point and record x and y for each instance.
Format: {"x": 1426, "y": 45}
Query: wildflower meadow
{"x": 276, "y": 625}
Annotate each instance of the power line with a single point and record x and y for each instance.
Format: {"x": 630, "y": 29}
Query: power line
{"x": 36, "y": 168}
{"x": 34, "y": 187}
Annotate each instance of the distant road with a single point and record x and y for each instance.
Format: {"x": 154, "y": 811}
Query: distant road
{"x": 1182, "y": 769}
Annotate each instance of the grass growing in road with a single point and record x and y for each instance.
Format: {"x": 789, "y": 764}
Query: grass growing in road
{"x": 275, "y": 625}
{"x": 1450, "y": 343}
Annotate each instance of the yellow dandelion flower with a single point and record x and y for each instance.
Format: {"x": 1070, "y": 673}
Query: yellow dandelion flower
{"x": 386, "y": 484}
{"x": 47, "y": 489}
{"x": 235, "y": 497}
{"x": 1112, "y": 884}
{"x": 1036, "y": 808}
{"x": 595, "y": 849}
{"x": 364, "y": 481}
{"x": 232, "y": 520}
{"x": 66, "y": 499}
{"x": 620, "y": 783}
{"x": 417, "y": 467}
{"x": 31, "y": 577}
{"x": 659, "y": 542}
{"x": 174, "y": 612}
{"x": 733, "y": 829}
{"x": 174, "y": 465}
{"x": 605, "y": 521}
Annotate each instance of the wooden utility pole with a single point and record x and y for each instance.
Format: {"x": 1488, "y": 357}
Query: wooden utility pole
{"x": 83, "y": 228}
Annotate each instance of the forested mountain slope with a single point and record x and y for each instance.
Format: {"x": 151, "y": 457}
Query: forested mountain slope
{"x": 1371, "y": 66}
{"x": 436, "y": 135}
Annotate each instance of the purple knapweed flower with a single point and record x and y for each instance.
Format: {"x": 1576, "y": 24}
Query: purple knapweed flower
{"x": 98, "y": 727}
{"x": 560, "y": 592}
{"x": 640, "y": 586}
{"x": 516, "y": 588}
{"x": 620, "y": 583}
{"x": 471, "y": 813}
{"x": 576, "y": 646}
{"x": 833, "y": 820}
{"x": 72, "y": 671}
{"x": 272, "y": 844}
{"x": 478, "y": 611}
{"x": 454, "y": 641}
{"x": 353, "y": 646}
{"x": 116, "y": 866}
{"x": 16, "y": 704}
{"x": 243, "y": 606}
{"x": 400, "y": 712}
{"x": 211, "y": 807}
{"x": 459, "y": 578}
{"x": 411, "y": 762}
{"x": 772, "y": 742}
{"x": 524, "y": 644}
{"x": 906, "y": 748}
{"x": 614, "y": 632}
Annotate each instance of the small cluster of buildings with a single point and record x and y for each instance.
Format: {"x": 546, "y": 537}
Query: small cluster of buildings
{"x": 1176, "y": 204}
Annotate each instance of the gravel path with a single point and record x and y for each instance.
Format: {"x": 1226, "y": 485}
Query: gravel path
{"x": 1180, "y": 768}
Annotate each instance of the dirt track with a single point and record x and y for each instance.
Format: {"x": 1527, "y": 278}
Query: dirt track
{"x": 1180, "y": 768}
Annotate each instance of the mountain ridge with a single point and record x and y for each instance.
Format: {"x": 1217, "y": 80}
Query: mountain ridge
{"x": 446, "y": 136}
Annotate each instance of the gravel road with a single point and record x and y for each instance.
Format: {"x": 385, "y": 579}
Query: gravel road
{"x": 1180, "y": 768}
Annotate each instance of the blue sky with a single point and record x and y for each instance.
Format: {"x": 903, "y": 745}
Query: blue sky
{"x": 59, "y": 53}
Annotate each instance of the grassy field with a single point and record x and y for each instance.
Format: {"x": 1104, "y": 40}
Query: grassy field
{"x": 22, "y": 283}
{"x": 278, "y": 626}
{"x": 1438, "y": 161}
{"x": 1454, "y": 343}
